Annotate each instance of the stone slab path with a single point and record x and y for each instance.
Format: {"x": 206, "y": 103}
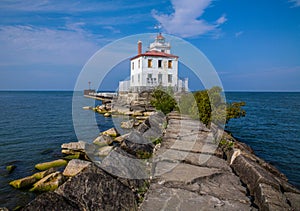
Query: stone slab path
{"x": 187, "y": 174}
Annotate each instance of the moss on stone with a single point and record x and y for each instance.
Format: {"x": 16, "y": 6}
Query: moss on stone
{"x": 71, "y": 157}
{"x": 48, "y": 183}
{"x": 23, "y": 182}
{"x": 10, "y": 168}
{"x": 42, "y": 174}
{"x": 51, "y": 164}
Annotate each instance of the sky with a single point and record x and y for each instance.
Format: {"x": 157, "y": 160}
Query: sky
{"x": 254, "y": 45}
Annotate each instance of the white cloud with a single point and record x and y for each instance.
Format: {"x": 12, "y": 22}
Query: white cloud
{"x": 222, "y": 20}
{"x": 112, "y": 29}
{"x": 184, "y": 21}
{"x": 25, "y": 44}
{"x": 295, "y": 2}
{"x": 237, "y": 34}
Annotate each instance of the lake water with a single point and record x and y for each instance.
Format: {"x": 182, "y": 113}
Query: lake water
{"x": 33, "y": 125}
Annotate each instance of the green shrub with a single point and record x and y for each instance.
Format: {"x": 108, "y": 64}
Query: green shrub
{"x": 209, "y": 106}
{"x": 163, "y": 100}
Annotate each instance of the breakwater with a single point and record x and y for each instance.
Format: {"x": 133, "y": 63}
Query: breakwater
{"x": 188, "y": 170}
{"x": 230, "y": 177}
{"x": 37, "y": 124}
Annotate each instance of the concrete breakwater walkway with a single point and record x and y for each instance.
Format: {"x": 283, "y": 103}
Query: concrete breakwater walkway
{"x": 190, "y": 173}
{"x": 187, "y": 171}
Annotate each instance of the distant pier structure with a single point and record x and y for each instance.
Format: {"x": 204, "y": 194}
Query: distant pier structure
{"x": 89, "y": 91}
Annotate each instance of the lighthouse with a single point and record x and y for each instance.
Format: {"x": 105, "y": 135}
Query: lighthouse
{"x": 152, "y": 68}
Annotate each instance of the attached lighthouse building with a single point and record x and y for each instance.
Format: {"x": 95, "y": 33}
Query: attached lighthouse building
{"x": 155, "y": 67}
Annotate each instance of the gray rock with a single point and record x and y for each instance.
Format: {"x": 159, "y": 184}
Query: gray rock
{"x": 76, "y": 146}
{"x": 162, "y": 198}
{"x": 50, "y": 201}
{"x": 269, "y": 198}
{"x": 128, "y": 124}
{"x": 103, "y": 140}
{"x": 49, "y": 183}
{"x": 104, "y": 151}
{"x": 137, "y": 145}
{"x": 75, "y": 166}
{"x": 182, "y": 173}
{"x": 252, "y": 174}
{"x": 125, "y": 165}
{"x": 293, "y": 199}
{"x": 111, "y": 132}
{"x": 142, "y": 128}
{"x": 94, "y": 189}
{"x": 121, "y": 138}
{"x": 155, "y": 120}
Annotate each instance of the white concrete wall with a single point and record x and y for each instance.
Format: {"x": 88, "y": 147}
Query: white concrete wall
{"x": 155, "y": 70}
{"x": 124, "y": 86}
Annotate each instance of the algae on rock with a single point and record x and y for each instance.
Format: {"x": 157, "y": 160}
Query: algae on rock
{"x": 51, "y": 164}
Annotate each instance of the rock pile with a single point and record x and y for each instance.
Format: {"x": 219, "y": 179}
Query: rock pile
{"x": 188, "y": 174}
{"x": 88, "y": 187}
{"x": 269, "y": 187}
{"x": 191, "y": 172}
{"x": 188, "y": 171}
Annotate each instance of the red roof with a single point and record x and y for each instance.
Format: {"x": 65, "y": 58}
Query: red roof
{"x": 155, "y": 54}
{"x": 160, "y": 37}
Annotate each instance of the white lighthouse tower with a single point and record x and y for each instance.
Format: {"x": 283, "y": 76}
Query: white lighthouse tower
{"x": 155, "y": 67}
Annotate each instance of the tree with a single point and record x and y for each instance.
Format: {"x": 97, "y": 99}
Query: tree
{"x": 206, "y": 105}
{"x": 210, "y": 106}
{"x": 234, "y": 110}
{"x": 163, "y": 100}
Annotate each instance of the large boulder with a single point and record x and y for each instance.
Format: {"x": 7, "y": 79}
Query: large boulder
{"x": 23, "y": 182}
{"x": 252, "y": 174}
{"x": 75, "y": 166}
{"x": 28, "y": 181}
{"x": 49, "y": 183}
{"x": 103, "y": 140}
{"x": 111, "y": 132}
{"x": 128, "y": 124}
{"x": 50, "y": 201}
{"x": 142, "y": 127}
{"x": 137, "y": 145}
{"x": 75, "y": 146}
{"x": 104, "y": 151}
{"x": 42, "y": 174}
{"x": 94, "y": 189}
{"x": 121, "y": 138}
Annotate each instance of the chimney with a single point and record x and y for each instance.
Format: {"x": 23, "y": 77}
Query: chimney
{"x": 139, "y": 47}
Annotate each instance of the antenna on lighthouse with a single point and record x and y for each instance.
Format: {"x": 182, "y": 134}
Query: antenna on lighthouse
{"x": 158, "y": 27}
{"x": 90, "y": 85}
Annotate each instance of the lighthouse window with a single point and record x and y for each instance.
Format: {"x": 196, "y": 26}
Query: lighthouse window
{"x": 159, "y": 63}
{"x": 132, "y": 65}
{"x": 170, "y": 64}
{"x": 149, "y": 62}
{"x": 139, "y": 63}
{"x": 139, "y": 78}
{"x": 132, "y": 79}
{"x": 159, "y": 78}
{"x": 169, "y": 78}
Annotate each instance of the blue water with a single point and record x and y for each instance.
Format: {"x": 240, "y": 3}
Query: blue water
{"x": 272, "y": 128}
{"x": 33, "y": 125}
